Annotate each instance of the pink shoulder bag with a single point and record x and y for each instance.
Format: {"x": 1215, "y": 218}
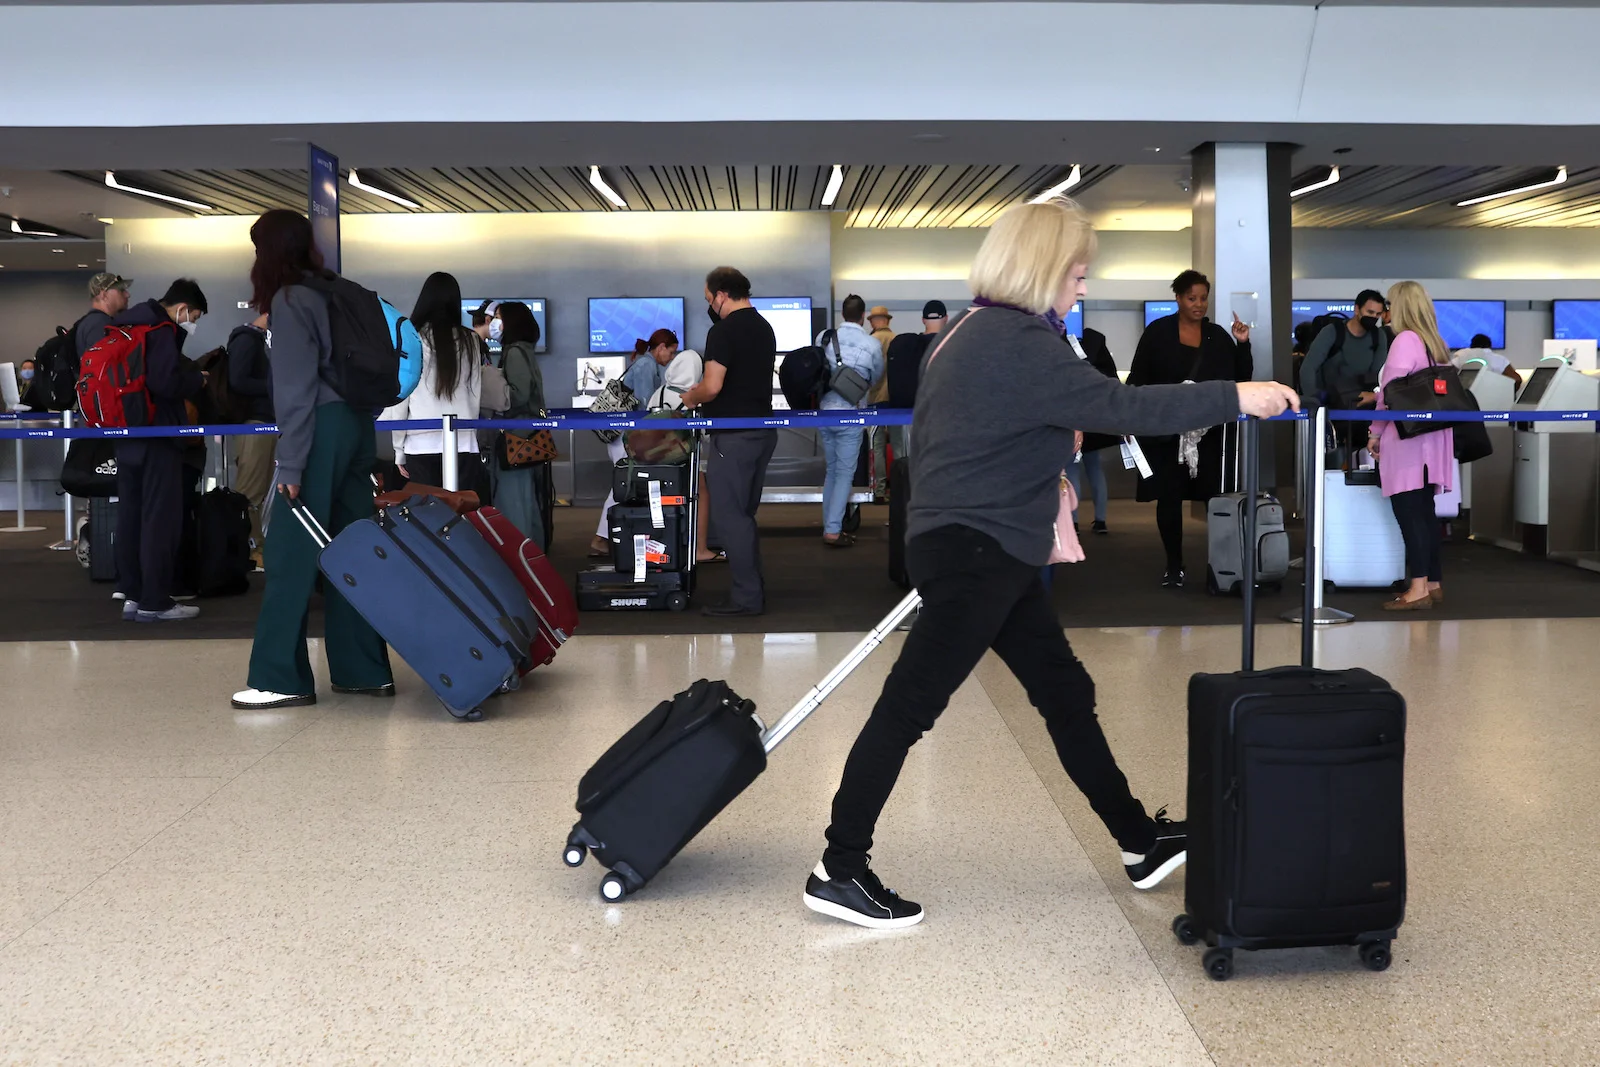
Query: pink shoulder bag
{"x": 1067, "y": 547}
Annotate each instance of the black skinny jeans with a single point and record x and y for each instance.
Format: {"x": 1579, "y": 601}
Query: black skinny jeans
{"x": 976, "y": 597}
{"x": 1169, "y": 520}
{"x": 1419, "y": 528}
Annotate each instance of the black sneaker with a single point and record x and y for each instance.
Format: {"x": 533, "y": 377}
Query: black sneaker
{"x": 1173, "y": 579}
{"x": 1165, "y": 856}
{"x": 1100, "y": 526}
{"x": 863, "y": 901}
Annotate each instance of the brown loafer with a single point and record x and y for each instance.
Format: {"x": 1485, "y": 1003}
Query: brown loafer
{"x": 1436, "y": 595}
{"x": 1422, "y": 603}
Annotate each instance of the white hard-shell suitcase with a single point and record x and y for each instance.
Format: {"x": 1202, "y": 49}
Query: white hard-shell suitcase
{"x": 1361, "y": 543}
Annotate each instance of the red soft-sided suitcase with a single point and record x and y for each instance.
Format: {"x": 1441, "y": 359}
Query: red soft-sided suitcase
{"x": 551, "y": 599}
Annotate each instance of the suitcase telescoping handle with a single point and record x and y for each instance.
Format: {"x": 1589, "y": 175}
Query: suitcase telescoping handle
{"x": 298, "y": 508}
{"x": 774, "y": 734}
{"x": 1250, "y": 449}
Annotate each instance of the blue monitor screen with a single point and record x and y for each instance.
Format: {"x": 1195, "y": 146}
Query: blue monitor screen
{"x": 535, "y": 306}
{"x": 789, "y": 317}
{"x": 1156, "y": 309}
{"x": 1460, "y": 319}
{"x": 1075, "y": 320}
{"x": 1306, "y": 310}
{"x": 1577, "y": 320}
{"x": 616, "y": 322}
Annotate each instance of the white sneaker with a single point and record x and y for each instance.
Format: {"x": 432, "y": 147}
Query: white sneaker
{"x": 130, "y": 610}
{"x": 260, "y": 699}
{"x": 176, "y": 613}
{"x": 119, "y": 596}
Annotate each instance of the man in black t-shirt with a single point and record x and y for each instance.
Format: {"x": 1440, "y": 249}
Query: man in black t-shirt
{"x": 741, "y": 352}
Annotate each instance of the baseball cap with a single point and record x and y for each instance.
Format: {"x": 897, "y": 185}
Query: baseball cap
{"x": 879, "y": 312}
{"x": 934, "y": 309}
{"x": 103, "y": 282}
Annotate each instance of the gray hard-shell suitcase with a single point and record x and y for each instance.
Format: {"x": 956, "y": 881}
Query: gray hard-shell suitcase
{"x": 1227, "y": 532}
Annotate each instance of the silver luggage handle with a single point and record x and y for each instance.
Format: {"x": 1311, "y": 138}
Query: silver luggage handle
{"x": 773, "y": 736}
{"x": 309, "y": 521}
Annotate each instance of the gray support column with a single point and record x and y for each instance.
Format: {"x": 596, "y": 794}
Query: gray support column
{"x": 1241, "y": 235}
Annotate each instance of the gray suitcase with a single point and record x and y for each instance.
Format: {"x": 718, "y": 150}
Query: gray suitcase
{"x": 1227, "y": 532}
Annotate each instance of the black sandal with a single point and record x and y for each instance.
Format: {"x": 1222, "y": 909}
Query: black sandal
{"x": 844, "y": 540}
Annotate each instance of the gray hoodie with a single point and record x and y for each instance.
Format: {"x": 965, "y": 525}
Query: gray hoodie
{"x": 300, "y": 352}
{"x": 997, "y": 405}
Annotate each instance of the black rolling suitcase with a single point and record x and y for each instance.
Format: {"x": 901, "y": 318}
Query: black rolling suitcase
{"x": 680, "y": 765}
{"x": 1296, "y": 832}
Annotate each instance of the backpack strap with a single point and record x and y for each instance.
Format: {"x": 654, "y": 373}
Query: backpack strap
{"x": 831, "y": 337}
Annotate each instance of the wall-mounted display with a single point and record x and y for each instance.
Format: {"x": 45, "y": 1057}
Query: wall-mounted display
{"x": 615, "y": 323}
{"x": 534, "y": 305}
{"x": 1075, "y": 320}
{"x": 789, "y": 317}
{"x": 1576, "y": 320}
{"x": 1306, "y": 310}
{"x": 1460, "y": 320}
{"x": 1159, "y": 309}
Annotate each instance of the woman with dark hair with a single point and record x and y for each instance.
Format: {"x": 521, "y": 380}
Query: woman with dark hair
{"x": 1186, "y": 347}
{"x": 643, "y": 377}
{"x": 326, "y": 450}
{"x": 452, "y": 380}
{"x": 516, "y": 492}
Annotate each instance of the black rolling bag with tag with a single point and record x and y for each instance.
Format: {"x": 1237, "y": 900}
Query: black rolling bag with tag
{"x": 1295, "y": 802}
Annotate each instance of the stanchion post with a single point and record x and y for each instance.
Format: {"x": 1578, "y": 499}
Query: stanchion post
{"x": 1315, "y": 527}
{"x": 449, "y": 457}
{"x": 21, "y": 526}
{"x": 69, "y": 538}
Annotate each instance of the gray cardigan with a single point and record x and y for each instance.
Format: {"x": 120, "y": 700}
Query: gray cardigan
{"x": 996, "y": 409}
{"x": 301, "y": 350}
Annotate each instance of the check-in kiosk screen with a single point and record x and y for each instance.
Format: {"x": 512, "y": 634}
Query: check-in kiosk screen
{"x": 1468, "y": 377}
{"x": 1538, "y": 385}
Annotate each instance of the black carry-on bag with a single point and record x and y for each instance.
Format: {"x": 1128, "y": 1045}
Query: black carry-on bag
{"x": 1296, "y": 834}
{"x": 680, "y": 765}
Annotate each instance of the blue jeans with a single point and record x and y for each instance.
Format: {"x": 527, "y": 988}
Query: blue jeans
{"x": 1090, "y": 465}
{"x": 842, "y": 447}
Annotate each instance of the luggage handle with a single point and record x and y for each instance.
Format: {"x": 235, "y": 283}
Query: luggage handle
{"x": 773, "y": 736}
{"x": 298, "y": 508}
{"x": 1250, "y": 451}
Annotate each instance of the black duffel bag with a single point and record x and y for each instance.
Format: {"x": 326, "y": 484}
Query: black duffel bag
{"x": 90, "y": 469}
{"x": 1434, "y": 388}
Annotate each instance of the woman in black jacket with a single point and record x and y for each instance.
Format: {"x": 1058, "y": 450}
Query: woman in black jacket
{"x": 1092, "y": 347}
{"x": 1186, "y": 347}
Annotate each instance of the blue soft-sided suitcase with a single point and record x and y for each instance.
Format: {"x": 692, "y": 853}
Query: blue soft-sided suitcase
{"x": 437, "y": 593}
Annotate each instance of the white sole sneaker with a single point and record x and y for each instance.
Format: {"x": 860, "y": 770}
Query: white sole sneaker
{"x": 837, "y": 911}
{"x": 1156, "y": 877}
{"x": 259, "y": 700}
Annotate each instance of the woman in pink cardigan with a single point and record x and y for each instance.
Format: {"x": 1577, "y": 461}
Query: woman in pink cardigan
{"x": 1413, "y": 470}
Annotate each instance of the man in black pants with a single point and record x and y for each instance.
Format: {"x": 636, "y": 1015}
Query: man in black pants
{"x": 741, "y": 352}
{"x": 150, "y": 472}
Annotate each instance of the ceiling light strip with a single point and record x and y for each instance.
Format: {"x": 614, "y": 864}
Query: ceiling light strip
{"x": 598, "y": 180}
{"x": 16, "y": 227}
{"x": 1060, "y": 187}
{"x": 1559, "y": 179}
{"x": 1331, "y": 179}
{"x": 835, "y": 183}
{"x": 394, "y": 198}
{"x": 112, "y": 183}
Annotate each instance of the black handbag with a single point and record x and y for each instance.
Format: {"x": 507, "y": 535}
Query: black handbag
{"x": 90, "y": 469}
{"x": 1434, "y": 388}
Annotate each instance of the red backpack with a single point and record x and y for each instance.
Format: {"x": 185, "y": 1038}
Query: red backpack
{"x": 111, "y": 380}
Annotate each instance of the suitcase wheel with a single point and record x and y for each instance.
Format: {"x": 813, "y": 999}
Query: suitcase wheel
{"x": 1375, "y": 955}
{"x": 1183, "y": 929}
{"x": 475, "y": 715}
{"x": 1218, "y": 964}
{"x": 677, "y": 601}
{"x": 613, "y": 888}
{"x": 1211, "y": 583}
{"x": 574, "y": 854}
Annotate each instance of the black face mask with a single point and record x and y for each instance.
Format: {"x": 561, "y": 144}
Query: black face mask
{"x": 711, "y": 313}
{"x": 1369, "y": 322}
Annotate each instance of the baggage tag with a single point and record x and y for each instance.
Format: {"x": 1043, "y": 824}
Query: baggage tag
{"x": 655, "y": 552}
{"x": 639, "y": 543}
{"x": 657, "y": 520}
{"x": 1133, "y": 456}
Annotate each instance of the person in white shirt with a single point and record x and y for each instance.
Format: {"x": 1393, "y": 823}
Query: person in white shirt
{"x": 1493, "y": 361}
{"x": 863, "y": 353}
{"x": 451, "y": 385}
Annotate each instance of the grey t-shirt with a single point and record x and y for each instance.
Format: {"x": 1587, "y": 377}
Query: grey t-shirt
{"x": 1342, "y": 375}
{"x": 90, "y": 327}
{"x": 997, "y": 405}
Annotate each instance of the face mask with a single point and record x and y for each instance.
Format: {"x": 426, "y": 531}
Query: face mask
{"x": 496, "y": 328}
{"x": 26, "y": 375}
{"x": 1369, "y": 322}
{"x": 188, "y": 327}
{"x": 711, "y": 313}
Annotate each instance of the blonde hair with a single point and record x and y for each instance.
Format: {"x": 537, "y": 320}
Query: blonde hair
{"x": 1029, "y": 250}
{"x": 1411, "y": 308}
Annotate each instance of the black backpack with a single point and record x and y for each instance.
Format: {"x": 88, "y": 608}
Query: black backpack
{"x": 903, "y": 365}
{"x": 365, "y": 368}
{"x": 55, "y": 375}
{"x": 1340, "y": 393}
{"x": 803, "y": 375}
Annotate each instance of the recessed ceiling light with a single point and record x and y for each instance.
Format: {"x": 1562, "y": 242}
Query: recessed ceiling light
{"x": 1062, "y": 186}
{"x": 356, "y": 182}
{"x": 1152, "y": 148}
{"x": 1559, "y": 179}
{"x": 1332, "y": 178}
{"x": 108, "y": 222}
{"x": 1343, "y": 151}
{"x": 59, "y": 251}
{"x": 835, "y": 181}
{"x": 929, "y": 138}
{"x": 112, "y": 183}
{"x": 602, "y": 187}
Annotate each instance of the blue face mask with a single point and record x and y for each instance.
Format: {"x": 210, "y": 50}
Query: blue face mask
{"x": 26, "y": 375}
